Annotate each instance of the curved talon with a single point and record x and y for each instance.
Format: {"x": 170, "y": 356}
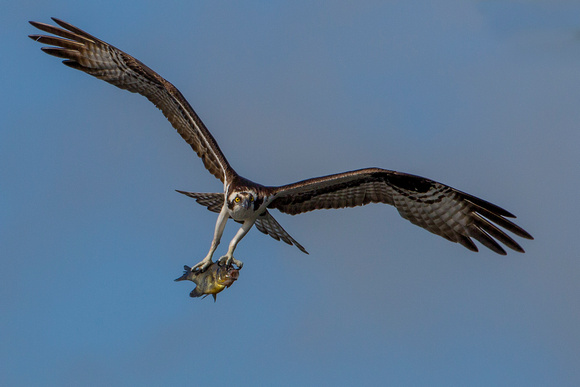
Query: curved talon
{"x": 202, "y": 266}
{"x": 239, "y": 264}
{"x": 225, "y": 261}
{"x": 229, "y": 262}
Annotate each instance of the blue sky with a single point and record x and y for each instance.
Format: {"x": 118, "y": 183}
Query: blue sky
{"x": 481, "y": 95}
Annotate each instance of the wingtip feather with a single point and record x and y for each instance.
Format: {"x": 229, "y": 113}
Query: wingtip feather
{"x": 36, "y": 24}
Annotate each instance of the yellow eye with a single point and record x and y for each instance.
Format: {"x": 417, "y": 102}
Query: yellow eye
{"x": 237, "y": 199}
{"x": 251, "y": 198}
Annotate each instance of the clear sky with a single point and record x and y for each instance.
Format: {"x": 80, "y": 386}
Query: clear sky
{"x": 481, "y": 95}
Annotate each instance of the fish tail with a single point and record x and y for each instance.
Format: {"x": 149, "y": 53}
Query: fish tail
{"x": 186, "y": 274}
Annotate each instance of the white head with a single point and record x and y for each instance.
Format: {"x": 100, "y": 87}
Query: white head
{"x": 242, "y": 205}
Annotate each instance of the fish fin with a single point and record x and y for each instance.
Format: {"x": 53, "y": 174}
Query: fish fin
{"x": 214, "y": 297}
{"x": 186, "y": 271}
{"x": 195, "y": 293}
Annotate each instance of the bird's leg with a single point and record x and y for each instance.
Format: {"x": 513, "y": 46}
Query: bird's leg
{"x": 228, "y": 259}
{"x": 219, "y": 230}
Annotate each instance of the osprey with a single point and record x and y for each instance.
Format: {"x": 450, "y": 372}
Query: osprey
{"x": 438, "y": 208}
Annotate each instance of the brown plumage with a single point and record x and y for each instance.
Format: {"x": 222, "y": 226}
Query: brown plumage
{"x": 87, "y": 53}
{"x": 436, "y": 207}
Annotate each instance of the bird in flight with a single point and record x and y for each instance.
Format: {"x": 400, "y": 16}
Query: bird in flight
{"x": 438, "y": 208}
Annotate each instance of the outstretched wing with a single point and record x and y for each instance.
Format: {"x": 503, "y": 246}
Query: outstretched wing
{"x": 269, "y": 226}
{"x": 84, "y": 52}
{"x": 213, "y": 201}
{"x": 436, "y": 207}
{"x": 265, "y": 222}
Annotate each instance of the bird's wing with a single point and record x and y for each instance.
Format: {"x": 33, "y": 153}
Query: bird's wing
{"x": 213, "y": 201}
{"x": 84, "y": 52}
{"x": 269, "y": 226}
{"x": 436, "y": 207}
{"x": 265, "y": 222}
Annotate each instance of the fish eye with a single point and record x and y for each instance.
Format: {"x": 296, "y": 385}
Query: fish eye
{"x": 237, "y": 199}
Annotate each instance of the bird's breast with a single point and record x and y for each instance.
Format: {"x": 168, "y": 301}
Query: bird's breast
{"x": 240, "y": 213}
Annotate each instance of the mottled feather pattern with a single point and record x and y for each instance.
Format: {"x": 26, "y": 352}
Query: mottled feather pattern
{"x": 269, "y": 226}
{"x": 341, "y": 196}
{"x": 437, "y": 210}
{"x": 436, "y": 207}
{"x": 93, "y": 56}
{"x": 213, "y": 201}
{"x": 265, "y": 222}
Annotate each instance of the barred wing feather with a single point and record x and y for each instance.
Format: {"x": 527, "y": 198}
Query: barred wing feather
{"x": 436, "y": 207}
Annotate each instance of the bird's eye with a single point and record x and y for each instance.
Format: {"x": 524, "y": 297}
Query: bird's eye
{"x": 237, "y": 199}
{"x": 251, "y": 198}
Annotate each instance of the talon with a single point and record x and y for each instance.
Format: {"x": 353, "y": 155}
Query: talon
{"x": 224, "y": 261}
{"x": 202, "y": 266}
{"x": 229, "y": 262}
{"x": 239, "y": 264}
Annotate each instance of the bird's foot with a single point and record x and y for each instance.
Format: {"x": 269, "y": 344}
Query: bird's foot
{"x": 202, "y": 266}
{"x": 227, "y": 261}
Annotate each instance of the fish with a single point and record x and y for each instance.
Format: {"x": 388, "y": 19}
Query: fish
{"x": 210, "y": 281}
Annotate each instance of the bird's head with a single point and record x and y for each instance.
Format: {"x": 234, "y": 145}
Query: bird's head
{"x": 241, "y": 204}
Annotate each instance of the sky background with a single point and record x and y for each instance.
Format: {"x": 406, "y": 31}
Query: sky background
{"x": 481, "y": 95}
